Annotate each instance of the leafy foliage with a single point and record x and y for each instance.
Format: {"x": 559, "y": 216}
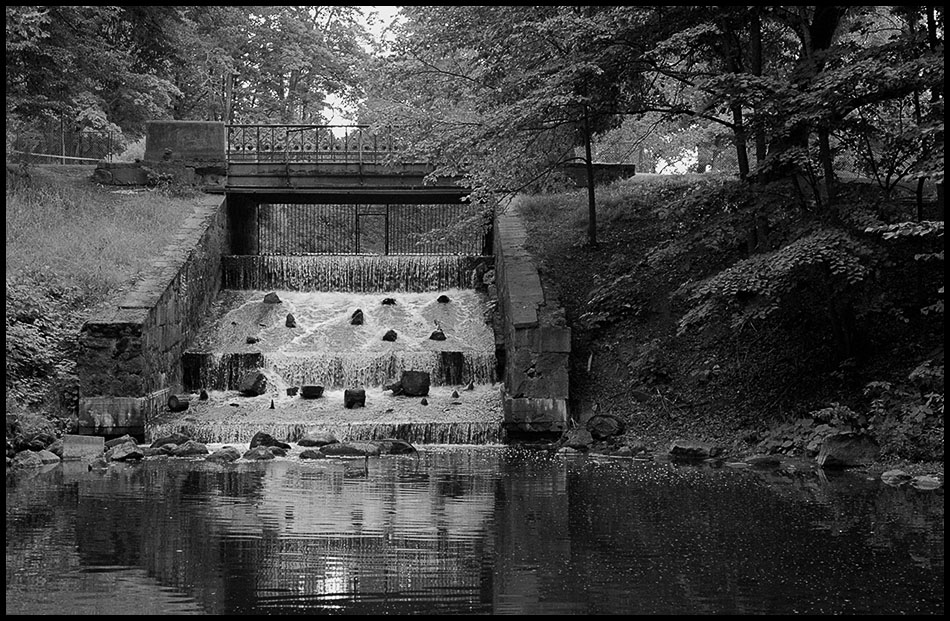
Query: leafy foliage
{"x": 41, "y": 341}
{"x": 828, "y": 260}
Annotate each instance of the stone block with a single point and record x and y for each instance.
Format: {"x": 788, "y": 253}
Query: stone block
{"x": 83, "y": 447}
{"x": 555, "y": 340}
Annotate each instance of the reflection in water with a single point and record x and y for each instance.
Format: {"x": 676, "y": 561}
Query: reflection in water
{"x": 467, "y": 530}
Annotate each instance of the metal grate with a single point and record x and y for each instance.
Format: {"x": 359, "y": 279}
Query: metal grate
{"x": 377, "y": 229}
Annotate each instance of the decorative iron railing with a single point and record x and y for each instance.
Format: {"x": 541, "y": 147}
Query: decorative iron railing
{"x": 309, "y": 143}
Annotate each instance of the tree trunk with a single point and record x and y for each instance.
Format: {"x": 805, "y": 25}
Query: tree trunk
{"x": 827, "y": 165}
{"x": 591, "y": 202}
{"x": 739, "y": 135}
{"x": 755, "y": 49}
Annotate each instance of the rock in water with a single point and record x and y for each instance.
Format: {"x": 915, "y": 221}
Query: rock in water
{"x": 847, "y": 450}
{"x": 415, "y": 383}
{"x": 603, "y": 426}
{"x": 354, "y": 398}
{"x": 253, "y": 383}
{"x": 443, "y": 299}
{"x": 390, "y": 335}
{"x": 262, "y": 438}
{"x": 291, "y": 322}
{"x": 271, "y": 298}
{"x": 311, "y": 391}
{"x": 357, "y": 317}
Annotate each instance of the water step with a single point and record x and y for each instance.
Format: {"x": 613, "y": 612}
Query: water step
{"x": 354, "y": 273}
{"x": 223, "y": 371}
{"x": 426, "y": 432}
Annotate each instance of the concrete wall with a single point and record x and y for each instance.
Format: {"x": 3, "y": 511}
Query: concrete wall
{"x": 537, "y": 341}
{"x": 130, "y": 356}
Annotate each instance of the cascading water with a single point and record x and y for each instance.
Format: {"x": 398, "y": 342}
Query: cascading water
{"x": 419, "y": 313}
{"x": 351, "y": 273}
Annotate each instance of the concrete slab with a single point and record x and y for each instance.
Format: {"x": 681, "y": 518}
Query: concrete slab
{"x": 83, "y": 447}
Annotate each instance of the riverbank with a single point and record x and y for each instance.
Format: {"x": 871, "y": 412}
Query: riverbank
{"x": 753, "y": 375}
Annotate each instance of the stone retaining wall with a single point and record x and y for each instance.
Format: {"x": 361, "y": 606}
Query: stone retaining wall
{"x": 537, "y": 340}
{"x": 130, "y": 356}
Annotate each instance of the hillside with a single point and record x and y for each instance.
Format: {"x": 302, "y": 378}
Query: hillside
{"x": 750, "y": 358}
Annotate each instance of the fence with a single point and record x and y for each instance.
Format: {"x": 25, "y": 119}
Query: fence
{"x": 58, "y": 145}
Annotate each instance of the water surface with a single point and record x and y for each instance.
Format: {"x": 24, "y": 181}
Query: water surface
{"x": 460, "y": 530}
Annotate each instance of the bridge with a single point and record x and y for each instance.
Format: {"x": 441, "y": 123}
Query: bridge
{"x": 328, "y": 160}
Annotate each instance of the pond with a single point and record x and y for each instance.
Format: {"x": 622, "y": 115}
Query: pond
{"x": 467, "y": 530}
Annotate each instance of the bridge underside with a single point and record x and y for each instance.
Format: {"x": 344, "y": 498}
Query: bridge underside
{"x": 340, "y": 179}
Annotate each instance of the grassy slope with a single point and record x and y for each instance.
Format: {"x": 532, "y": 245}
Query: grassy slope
{"x": 73, "y": 246}
{"x": 713, "y": 384}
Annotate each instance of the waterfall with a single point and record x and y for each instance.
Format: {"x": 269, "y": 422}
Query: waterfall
{"x": 355, "y": 273}
{"x": 324, "y": 346}
{"x": 428, "y": 432}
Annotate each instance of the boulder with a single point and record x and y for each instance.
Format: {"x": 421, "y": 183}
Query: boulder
{"x": 354, "y": 398}
{"x": 437, "y": 335}
{"x": 120, "y": 440}
{"x": 357, "y": 318}
{"x": 48, "y": 457}
{"x": 271, "y": 298}
{"x": 390, "y": 335}
{"x": 26, "y": 459}
{"x": 30, "y": 431}
{"x": 395, "y": 446}
{"x": 258, "y": 453}
{"x": 317, "y": 438}
{"x": 763, "y": 461}
{"x": 311, "y": 391}
{"x": 414, "y": 383}
{"x": 292, "y": 391}
{"x": 578, "y": 439}
{"x": 56, "y": 448}
{"x": 603, "y": 426}
{"x": 312, "y": 454}
{"x": 262, "y": 438}
{"x": 443, "y": 299}
{"x": 687, "y": 450}
{"x": 926, "y": 482}
{"x": 253, "y": 383}
{"x": 225, "y": 454}
{"x": 290, "y": 322}
{"x": 126, "y": 451}
{"x": 189, "y": 448}
{"x": 174, "y": 438}
{"x": 895, "y": 478}
{"x": 351, "y": 449}
{"x": 848, "y": 449}
{"x": 251, "y": 340}
{"x": 389, "y": 301}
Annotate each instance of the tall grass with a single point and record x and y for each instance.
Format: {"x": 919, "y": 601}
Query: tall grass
{"x": 78, "y": 235}
{"x": 72, "y": 247}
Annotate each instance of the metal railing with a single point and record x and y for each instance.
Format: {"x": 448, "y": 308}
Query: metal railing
{"x": 309, "y": 143}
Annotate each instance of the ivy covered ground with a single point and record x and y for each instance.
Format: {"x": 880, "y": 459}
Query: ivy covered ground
{"x": 711, "y": 310}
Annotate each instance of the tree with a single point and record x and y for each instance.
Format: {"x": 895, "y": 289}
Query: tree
{"x": 505, "y": 94}
{"x": 96, "y": 67}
